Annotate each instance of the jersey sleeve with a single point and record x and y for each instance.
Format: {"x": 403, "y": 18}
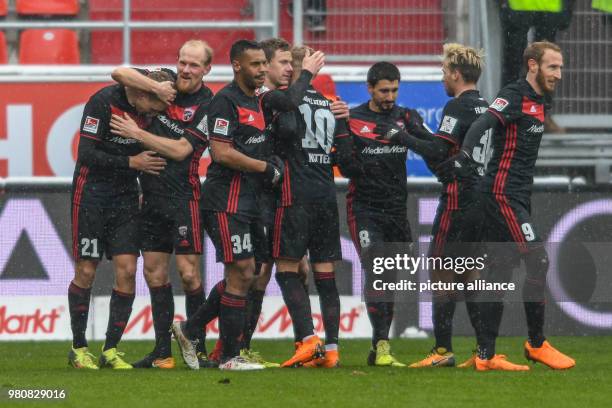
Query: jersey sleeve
{"x": 451, "y": 126}
{"x": 96, "y": 118}
{"x": 507, "y": 105}
{"x": 196, "y": 132}
{"x": 222, "y": 119}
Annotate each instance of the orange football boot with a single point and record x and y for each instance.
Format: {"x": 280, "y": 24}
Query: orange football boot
{"x": 331, "y": 359}
{"x": 498, "y": 362}
{"x": 549, "y": 356}
{"x": 309, "y": 349}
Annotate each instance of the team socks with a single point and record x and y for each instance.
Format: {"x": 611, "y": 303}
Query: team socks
{"x": 162, "y": 308}
{"x": 443, "y": 312}
{"x": 78, "y": 303}
{"x": 119, "y": 314}
{"x": 232, "y": 314}
{"x": 207, "y": 312}
{"x": 330, "y": 304}
{"x": 193, "y": 300}
{"x": 297, "y": 302}
{"x": 254, "y": 303}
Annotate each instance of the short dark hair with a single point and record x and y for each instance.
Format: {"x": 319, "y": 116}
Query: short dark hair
{"x": 536, "y": 50}
{"x": 271, "y": 45}
{"x": 383, "y": 70}
{"x": 240, "y": 46}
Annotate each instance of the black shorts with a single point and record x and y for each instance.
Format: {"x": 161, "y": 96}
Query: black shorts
{"x": 308, "y": 227}
{"x": 455, "y": 225}
{"x": 235, "y": 237}
{"x": 97, "y": 231}
{"x": 508, "y": 219}
{"x": 368, "y": 227}
{"x": 169, "y": 225}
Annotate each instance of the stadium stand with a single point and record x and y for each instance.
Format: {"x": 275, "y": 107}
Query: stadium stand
{"x": 151, "y": 47}
{"x": 49, "y": 47}
{"x": 365, "y": 27}
{"x": 47, "y": 7}
{"x": 3, "y": 49}
{"x": 3, "y": 8}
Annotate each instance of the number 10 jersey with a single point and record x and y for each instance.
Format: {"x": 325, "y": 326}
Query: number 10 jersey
{"x": 306, "y": 146}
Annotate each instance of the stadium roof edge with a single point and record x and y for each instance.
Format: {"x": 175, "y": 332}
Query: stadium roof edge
{"x": 219, "y": 73}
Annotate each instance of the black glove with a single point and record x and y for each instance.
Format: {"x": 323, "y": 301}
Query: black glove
{"x": 274, "y": 171}
{"x": 459, "y": 166}
{"x": 390, "y": 133}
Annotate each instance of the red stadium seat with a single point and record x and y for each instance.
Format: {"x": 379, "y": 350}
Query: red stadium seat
{"x": 325, "y": 85}
{"x": 49, "y": 47}
{"x": 3, "y": 50}
{"x": 47, "y": 7}
{"x": 3, "y": 8}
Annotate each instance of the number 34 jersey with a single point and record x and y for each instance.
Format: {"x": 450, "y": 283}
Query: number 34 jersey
{"x": 306, "y": 146}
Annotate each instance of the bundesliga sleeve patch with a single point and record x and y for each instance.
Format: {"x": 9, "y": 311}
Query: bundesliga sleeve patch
{"x": 221, "y": 126}
{"x": 448, "y": 124}
{"x": 91, "y": 125}
{"x": 499, "y": 104}
{"x": 203, "y": 125}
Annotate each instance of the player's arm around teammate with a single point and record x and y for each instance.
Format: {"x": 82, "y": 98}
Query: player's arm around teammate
{"x": 171, "y": 216}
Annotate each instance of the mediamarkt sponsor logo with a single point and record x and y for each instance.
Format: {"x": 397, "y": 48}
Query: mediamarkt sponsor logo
{"x": 36, "y": 322}
{"x": 173, "y": 126}
{"x": 384, "y": 149}
{"x": 274, "y": 322}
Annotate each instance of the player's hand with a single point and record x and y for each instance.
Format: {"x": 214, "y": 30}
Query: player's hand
{"x": 124, "y": 126}
{"x": 390, "y": 133}
{"x": 166, "y": 92}
{"x": 313, "y": 63}
{"x": 460, "y": 165}
{"x": 340, "y": 109}
{"x": 275, "y": 167}
{"x": 148, "y": 162}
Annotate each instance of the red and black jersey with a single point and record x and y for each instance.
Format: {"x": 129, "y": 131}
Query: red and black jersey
{"x": 186, "y": 117}
{"x": 236, "y": 118}
{"x": 458, "y": 115}
{"x": 515, "y": 144}
{"x": 102, "y": 176}
{"x": 383, "y": 186}
{"x": 309, "y": 175}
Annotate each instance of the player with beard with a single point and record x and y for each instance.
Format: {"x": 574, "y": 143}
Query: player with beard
{"x": 376, "y": 200}
{"x": 105, "y": 214}
{"x": 240, "y": 168}
{"x": 278, "y": 76}
{"x": 170, "y": 211}
{"x": 456, "y": 225}
{"x": 517, "y": 120}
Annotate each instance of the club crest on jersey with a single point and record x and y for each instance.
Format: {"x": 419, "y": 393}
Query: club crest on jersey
{"x": 448, "y": 124}
{"x": 203, "y": 125}
{"x": 188, "y": 114}
{"x": 221, "y": 126}
{"x": 182, "y": 230}
{"x": 91, "y": 124}
{"x": 499, "y": 104}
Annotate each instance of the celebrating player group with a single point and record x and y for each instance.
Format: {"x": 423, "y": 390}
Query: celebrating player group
{"x": 269, "y": 198}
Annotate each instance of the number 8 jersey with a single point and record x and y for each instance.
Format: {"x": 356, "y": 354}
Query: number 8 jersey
{"x": 306, "y": 146}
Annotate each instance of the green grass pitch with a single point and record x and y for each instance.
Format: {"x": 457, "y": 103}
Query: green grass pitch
{"x": 44, "y": 365}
